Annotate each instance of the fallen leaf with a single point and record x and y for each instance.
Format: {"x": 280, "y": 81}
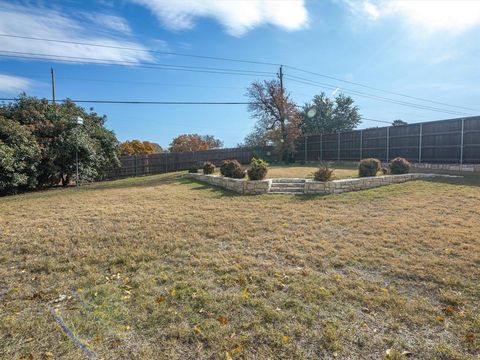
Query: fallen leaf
{"x": 222, "y": 320}
{"x": 173, "y": 292}
{"x": 245, "y": 294}
{"x": 449, "y": 309}
{"x": 228, "y": 356}
{"x": 285, "y": 339}
{"x": 48, "y": 354}
{"x": 440, "y": 318}
{"x": 197, "y": 329}
{"x": 470, "y": 337}
{"x": 160, "y": 299}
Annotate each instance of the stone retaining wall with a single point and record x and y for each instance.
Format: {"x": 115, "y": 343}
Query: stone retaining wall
{"x": 311, "y": 187}
{"x": 345, "y": 185}
{"x": 448, "y": 167}
{"x": 237, "y": 185}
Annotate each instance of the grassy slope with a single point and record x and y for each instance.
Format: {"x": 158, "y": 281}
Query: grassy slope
{"x": 158, "y": 267}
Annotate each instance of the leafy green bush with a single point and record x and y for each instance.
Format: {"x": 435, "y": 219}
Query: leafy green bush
{"x": 193, "y": 170}
{"x": 208, "y": 168}
{"x": 399, "y": 166}
{"x": 324, "y": 173}
{"x": 19, "y": 157}
{"x": 258, "y": 169}
{"x": 232, "y": 169}
{"x": 368, "y": 167}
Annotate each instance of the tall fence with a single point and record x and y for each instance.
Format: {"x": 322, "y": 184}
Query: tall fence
{"x": 133, "y": 165}
{"x": 450, "y": 141}
{"x": 443, "y": 141}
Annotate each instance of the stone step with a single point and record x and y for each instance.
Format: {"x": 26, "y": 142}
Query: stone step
{"x": 283, "y": 191}
{"x": 287, "y": 180}
{"x": 288, "y": 185}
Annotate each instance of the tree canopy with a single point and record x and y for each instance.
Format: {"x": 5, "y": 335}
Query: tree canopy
{"x": 194, "y": 142}
{"x": 399, "y": 122}
{"x": 137, "y": 147}
{"x": 53, "y": 130}
{"x": 323, "y": 116}
{"x": 277, "y": 117}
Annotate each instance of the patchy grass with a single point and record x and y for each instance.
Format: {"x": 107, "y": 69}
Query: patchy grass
{"x": 306, "y": 171}
{"x": 159, "y": 267}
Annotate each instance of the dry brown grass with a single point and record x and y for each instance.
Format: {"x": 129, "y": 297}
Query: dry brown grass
{"x": 159, "y": 267}
{"x": 307, "y": 172}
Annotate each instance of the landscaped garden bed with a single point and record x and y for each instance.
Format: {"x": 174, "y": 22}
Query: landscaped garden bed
{"x": 323, "y": 181}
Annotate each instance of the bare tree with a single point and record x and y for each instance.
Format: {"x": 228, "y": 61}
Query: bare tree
{"x": 277, "y": 115}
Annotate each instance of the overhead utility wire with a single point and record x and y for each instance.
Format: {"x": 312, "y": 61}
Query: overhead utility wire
{"x": 142, "y": 50}
{"x": 373, "y": 96}
{"x": 133, "y": 102}
{"x": 378, "y": 89}
{"x": 237, "y": 60}
{"x": 134, "y": 63}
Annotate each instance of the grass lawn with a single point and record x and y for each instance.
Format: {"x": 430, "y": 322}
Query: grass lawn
{"x": 164, "y": 268}
{"x": 306, "y": 171}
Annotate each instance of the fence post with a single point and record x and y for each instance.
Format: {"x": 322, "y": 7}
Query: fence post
{"x": 388, "y": 143}
{"x": 306, "y": 139}
{"x": 338, "y": 146}
{"x": 461, "y": 141}
{"x": 420, "y": 144}
{"x": 361, "y": 144}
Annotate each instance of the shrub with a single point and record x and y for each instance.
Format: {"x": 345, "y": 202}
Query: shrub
{"x": 324, "y": 173}
{"x": 399, "y": 166}
{"x": 258, "y": 169}
{"x": 193, "y": 170}
{"x": 208, "y": 168}
{"x": 368, "y": 167}
{"x": 232, "y": 169}
{"x": 384, "y": 171}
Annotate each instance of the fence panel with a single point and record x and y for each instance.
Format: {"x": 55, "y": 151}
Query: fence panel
{"x": 440, "y": 141}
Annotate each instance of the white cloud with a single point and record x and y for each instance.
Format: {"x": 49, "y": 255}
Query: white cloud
{"x": 111, "y": 22}
{"x": 425, "y": 17}
{"x": 237, "y": 16}
{"x": 10, "y": 84}
{"x": 42, "y": 22}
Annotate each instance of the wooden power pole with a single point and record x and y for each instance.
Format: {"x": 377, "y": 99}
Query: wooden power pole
{"x": 52, "y": 73}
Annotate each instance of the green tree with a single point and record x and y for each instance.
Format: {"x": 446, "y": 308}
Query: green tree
{"x": 399, "y": 122}
{"x": 58, "y": 136}
{"x": 19, "y": 157}
{"x": 323, "y": 116}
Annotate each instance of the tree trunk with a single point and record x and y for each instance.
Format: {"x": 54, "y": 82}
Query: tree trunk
{"x": 65, "y": 180}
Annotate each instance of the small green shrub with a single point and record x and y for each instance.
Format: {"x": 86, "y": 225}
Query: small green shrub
{"x": 208, "y": 168}
{"x": 324, "y": 173}
{"x": 258, "y": 169}
{"x": 368, "y": 167}
{"x": 232, "y": 169}
{"x": 193, "y": 170}
{"x": 399, "y": 166}
{"x": 384, "y": 170}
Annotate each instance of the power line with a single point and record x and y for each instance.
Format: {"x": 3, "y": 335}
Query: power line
{"x": 373, "y": 96}
{"x": 133, "y": 102}
{"x": 77, "y": 59}
{"x": 142, "y": 50}
{"x": 381, "y": 90}
{"x": 236, "y": 60}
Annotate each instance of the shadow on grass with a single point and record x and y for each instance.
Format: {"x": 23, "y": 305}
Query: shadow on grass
{"x": 201, "y": 186}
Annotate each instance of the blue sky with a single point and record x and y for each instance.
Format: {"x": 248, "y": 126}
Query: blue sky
{"x": 428, "y": 49}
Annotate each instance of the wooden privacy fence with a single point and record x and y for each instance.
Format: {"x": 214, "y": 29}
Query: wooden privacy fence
{"x": 133, "y": 165}
{"x": 444, "y": 141}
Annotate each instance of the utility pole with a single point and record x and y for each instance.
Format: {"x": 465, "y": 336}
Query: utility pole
{"x": 52, "y": 73}
{"x": 282, "y": 111}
